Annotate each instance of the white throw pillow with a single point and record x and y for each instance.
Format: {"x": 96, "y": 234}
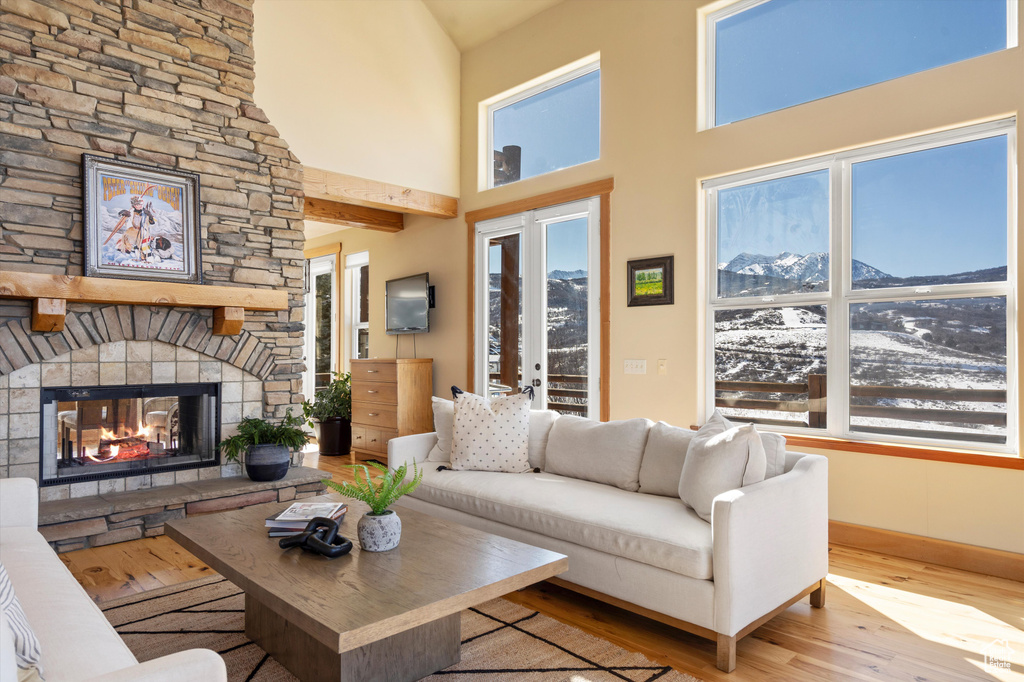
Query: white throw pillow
{"x": 603, "y": 452}
{"x": 444, "y": 418}
{"x": 26, "y": 644}
{"x": 774, "y": 445}
{"x": 718, "y": 460}
{"x": 662, "y": 464}
{"x": 491, "y": 434}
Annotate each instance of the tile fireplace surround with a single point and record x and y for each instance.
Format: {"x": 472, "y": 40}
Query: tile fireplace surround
{"x": 111, "y": 364}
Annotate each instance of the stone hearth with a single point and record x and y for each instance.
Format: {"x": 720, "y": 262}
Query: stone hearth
{"x": 119, "y": 517}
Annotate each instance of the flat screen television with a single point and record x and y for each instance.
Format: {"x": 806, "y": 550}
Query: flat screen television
{"x": 407, "y": 305}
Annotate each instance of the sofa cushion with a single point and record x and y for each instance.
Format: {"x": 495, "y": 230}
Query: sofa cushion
{"x": 76, "y": 640}
{"x": 444, "y": 419}
{"x": 657, "y": 531}
{"x": 720, "y": 459}
{"x": 602, "y": 452}
{"x": 774, "y": 453}
{"x": 17, "y": 629}
{"x": 662, "y": 463}
{"x": 491, "y": 434}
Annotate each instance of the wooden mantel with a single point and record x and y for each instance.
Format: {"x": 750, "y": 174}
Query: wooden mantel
{"x": 358, "y": 202}
{"x": 50, "y": 294}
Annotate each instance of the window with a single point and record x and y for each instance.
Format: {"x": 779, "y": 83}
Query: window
{"x": 357, "y": 273}
{"x": 766, "y": 55}
{"x": 869, "y": 295}
{"x": 549, "y": 126}
{"x": 321, "y": 342}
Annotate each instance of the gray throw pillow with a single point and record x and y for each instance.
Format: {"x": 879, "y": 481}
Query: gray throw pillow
{"x": 541, "y": 422}
{"x": 662, "y": 464}
{"x": 603, "y": 452}
{"x": 720, "y": 459}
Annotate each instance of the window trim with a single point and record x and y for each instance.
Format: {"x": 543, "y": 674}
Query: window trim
{"x": 839, "y": 298}
{"x": 712, "y": 15}
{"x": 531, "y": 88}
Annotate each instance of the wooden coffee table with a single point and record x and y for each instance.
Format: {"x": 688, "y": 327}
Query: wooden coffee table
{"x": 365, "y": 616}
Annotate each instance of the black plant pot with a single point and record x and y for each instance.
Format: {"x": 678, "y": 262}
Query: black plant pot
{"x": 335, "y": 437}
{"x": 267, "y": 462}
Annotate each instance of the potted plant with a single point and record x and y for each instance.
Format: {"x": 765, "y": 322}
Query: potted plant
{"x": 267, "y": 446}
{"x": 331, "y": 411}
{"x": 379, "y": 529}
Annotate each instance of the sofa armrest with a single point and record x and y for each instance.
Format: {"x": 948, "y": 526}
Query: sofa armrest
{"x": 19, "y": 502}
{"x": 770, "y": 543}
{"x": 410, "y": 449}
{"x": 194, "y": 665}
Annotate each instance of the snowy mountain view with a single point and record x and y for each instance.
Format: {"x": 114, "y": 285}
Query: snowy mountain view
{"x": 944, "y": 356}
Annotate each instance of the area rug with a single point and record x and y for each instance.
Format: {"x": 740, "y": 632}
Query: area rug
{"x": 501, "y": 641}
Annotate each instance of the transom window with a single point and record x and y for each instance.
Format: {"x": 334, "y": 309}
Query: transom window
{"x": 553, "y": 124}
{"x": 766, "y": 55}
{"x": 869, "y": 295}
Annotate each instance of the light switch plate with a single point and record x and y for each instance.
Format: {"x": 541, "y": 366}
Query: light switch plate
{"x": 636, "y": 367}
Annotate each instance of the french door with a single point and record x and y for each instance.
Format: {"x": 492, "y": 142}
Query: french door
{"x": 321, "y": 337}
{"x": 537, "y": 317}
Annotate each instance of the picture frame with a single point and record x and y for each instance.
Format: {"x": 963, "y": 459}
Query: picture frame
{"x": 650, "y": 281}
{"x": 141, "y": 222}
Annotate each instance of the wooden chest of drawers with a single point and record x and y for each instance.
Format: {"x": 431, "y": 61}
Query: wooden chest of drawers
{"x": 390, "y": 398}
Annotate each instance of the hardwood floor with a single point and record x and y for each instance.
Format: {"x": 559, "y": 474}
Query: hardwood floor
{"x": 886, "y": 618}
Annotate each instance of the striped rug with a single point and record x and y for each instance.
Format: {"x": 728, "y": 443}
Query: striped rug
{"x": 501, "y": 641}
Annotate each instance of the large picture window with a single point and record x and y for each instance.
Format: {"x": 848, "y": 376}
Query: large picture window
{"x": 766, "y": 55}
{"x": 869, "y": 295}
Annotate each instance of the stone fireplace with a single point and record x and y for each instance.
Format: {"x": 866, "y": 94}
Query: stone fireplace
{"x": 168, "y": 84}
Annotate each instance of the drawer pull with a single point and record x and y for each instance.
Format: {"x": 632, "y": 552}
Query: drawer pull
{"x": 372, "y": 371}
{"x": 374, "y": 440}
{"x": 373, "y": 391}
{"x": 374, "y": 414}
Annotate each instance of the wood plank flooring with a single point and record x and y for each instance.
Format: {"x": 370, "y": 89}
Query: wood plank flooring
{"x": 886, "y": 618}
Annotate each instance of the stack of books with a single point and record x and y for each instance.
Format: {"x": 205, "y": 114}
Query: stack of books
{"x": 294, "y": 519}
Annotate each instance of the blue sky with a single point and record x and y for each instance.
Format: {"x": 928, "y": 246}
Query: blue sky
{"x": 557, "y": 128}
{"x": 935, "y": 212}
{"x": 786, "y": 52}
{"x": 566, "y": 247}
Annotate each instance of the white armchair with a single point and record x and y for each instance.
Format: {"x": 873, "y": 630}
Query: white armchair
{"x": 76, "y": 641}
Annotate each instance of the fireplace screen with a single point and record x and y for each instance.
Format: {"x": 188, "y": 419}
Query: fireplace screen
{"x": 116, "y": 431}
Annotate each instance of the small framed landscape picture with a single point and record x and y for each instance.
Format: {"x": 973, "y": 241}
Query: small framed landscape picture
{"x": 650, "y": 281}
{"x": 141, "y": 222}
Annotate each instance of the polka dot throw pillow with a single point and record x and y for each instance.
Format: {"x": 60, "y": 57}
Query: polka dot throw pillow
{"x": 491, "y": 434}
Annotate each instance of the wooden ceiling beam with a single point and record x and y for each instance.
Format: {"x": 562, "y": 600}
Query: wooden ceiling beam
{"x": 349, "y": 215}
{"x": 348, "y": 189}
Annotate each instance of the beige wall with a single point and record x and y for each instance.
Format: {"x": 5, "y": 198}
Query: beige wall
{"x": 652, "y": 147}
{"x": 362, "y": 87}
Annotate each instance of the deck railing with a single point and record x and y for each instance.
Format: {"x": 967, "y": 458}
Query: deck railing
{"x": 814, "y": 405}
{"x": 572, "y": 386}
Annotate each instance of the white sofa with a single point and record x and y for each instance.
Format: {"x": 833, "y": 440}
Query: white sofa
{"x": 76, "y": 640}
{"x": 765, "y": 548}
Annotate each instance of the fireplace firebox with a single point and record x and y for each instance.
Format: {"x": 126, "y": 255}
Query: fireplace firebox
{"x": 106, "y": 432}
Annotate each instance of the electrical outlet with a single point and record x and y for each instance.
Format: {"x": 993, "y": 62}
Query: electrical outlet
{"x": 662, "y": 366}
{"x": 636, "y": 367}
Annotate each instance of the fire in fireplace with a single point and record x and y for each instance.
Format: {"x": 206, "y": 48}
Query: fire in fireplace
{"x": 115, "y": 431}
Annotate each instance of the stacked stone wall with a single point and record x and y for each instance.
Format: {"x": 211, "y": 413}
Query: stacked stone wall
{"x": 166, "y": 83}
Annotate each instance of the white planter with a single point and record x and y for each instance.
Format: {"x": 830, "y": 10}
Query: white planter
{"x": 379, "y": 533}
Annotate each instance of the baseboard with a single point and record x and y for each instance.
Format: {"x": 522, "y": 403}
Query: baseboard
{"x": 994, "y": 562}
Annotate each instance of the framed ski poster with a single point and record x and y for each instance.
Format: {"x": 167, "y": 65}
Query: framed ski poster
{"x": 141, "y": 222}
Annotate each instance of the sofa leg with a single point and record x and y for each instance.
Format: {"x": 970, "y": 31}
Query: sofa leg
{"x": 726, "y": 653}
{"x": 818, "y": 596}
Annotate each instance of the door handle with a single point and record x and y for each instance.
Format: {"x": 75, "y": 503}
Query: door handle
{"x": 536, "y": 382}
